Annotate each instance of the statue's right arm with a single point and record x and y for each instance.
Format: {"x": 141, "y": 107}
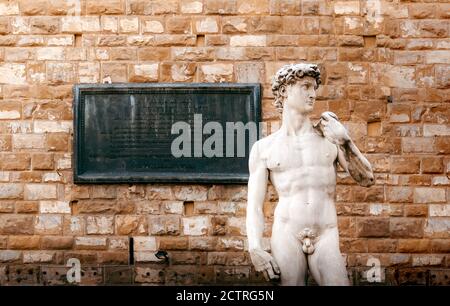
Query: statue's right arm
{"x": 257, "y": 187}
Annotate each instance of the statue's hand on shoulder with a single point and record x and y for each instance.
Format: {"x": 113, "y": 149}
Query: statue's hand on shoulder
{"x": 332, "y": 129}
{"x": 264, "y": 262}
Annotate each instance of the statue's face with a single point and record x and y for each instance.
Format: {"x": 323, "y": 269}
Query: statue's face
{"x": 301, "y": 95}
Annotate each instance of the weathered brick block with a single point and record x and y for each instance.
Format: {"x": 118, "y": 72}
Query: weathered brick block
{"x": 373, "y": 194}
{"x": 429, "y": 195}
{"x": 285, "y": 7}
{"x": 105, "y": 7}
{"x": 438, "y": 227}
{"x": 416, "y": 210}
{"x": 418, "y": 144}
{"x": 27, "y": 207}
{"x": 347, "y": 8}
{"x": 80, "y": 24}
{"x": 12, "y": 73}
{"x": 109, "y": 24}
{"x": 206, "y": 25}
{"x": 127, "y": 225}
{"x": 11, "y": 191}
{"x": 405, "y": 165}
{"x": 435, "y": 130}
{"x": 152, "y": 25}
{"x": 38, "y": 7}
{"x": 102, "y": 207}
{"x": 89, "y": 72}
{"x": 376, "y": 227}
{"x": 143, "y": 73}
{"x": 146, "y": 257}
{"x": 173, "y": 207}
{"x": 191, "y": 7}
{"x": 48, "y": 225}
{"x": 404, "y": 228}
{"x": 160, "y": 225}
{"x": 90, "y": 243}
{"x": 9, "y": 8}
{"x": 175, "y": 40}
{"x": 413, "y": 245}
{"x": 100, "y": 225}
{"x": 204, "y": 208}
{"x": 40, "y": 192}
{"x": 9, "y": 256}
{"x": 54, "y": 207}
{"x": 216, "y": 73}
{"x": 58, "y": 73}
{"x": 145, "y": 244}
{"x": 382, "y": 245}
{"x": 24, "y": 242}
{"x": 179, "y": 24}
{"x": 57, "y": 242}
{"x": 432, "y": 165}
{"x": 190, "y": 193}
{"x": 426, "y": 260}
{"x": 104, "y": 192}
{"x": 5, "y": 142}
{"x": 44, "y": 25}
{"x": 220, "y": 7}
{"x": 113, "y": 258}
{"x": 42, "y": 161}
{"x": 129, "y": 25}
{"x": 173, "y": 243}
{"x": 400, "y": 194}
{"x": 118, "y": 243}
{"x": 202, "y": 243}
{"x": 230, "y": 244}
{"x": 255, "y": 7}
{"x": 45, "y": 126}
{"x": 28, "y": 141}
{"x": 38, "y": 256}
{"x": 439, "y": 210}
{"x": 196, "y": 226}
{"x": 248, "y": 41}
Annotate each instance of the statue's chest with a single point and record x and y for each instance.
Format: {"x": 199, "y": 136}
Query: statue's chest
{"x": 291, "y": 153}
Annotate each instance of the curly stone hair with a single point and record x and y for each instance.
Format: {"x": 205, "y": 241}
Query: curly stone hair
{"x": 288, "y": 75}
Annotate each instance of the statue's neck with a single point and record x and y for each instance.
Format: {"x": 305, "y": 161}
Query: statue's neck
{"x": 295, "y": 123}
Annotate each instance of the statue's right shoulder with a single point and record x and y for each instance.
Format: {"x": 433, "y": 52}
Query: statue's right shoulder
{"x": 261, "y": 148}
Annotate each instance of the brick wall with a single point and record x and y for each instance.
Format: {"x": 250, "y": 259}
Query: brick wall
{"x": 386, "y": 74}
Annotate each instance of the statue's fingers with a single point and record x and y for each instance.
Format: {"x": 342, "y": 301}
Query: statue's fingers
{"x": 272, "y": 275}
{"x": 267, "y": 266}
{"x": 275, "y": 267}
{"x": 266, "y": 275}
{"x": 260, "y": 268}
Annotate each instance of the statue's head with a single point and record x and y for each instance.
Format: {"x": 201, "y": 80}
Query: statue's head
{"x": 296, "y": 85}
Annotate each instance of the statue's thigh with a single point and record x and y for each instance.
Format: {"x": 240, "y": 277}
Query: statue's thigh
{"x": 287, "y": 253}
{"x": 326, "y": 264}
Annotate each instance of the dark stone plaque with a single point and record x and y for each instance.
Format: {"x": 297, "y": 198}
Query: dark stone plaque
{"x": 126, "y": 133}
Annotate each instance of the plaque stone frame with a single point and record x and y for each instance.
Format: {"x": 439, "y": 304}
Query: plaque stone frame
{"x": 85, "y": 171}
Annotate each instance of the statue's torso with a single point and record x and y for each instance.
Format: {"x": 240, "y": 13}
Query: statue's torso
{"x": 302, "y": 170}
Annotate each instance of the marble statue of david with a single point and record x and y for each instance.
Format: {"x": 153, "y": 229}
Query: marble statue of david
{"x": 300, "y": 160}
